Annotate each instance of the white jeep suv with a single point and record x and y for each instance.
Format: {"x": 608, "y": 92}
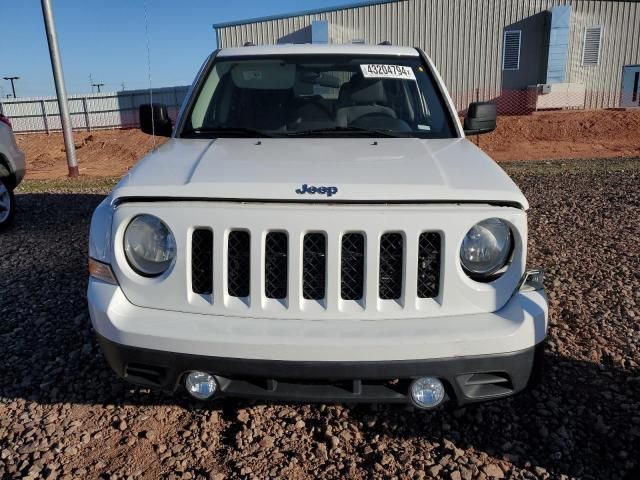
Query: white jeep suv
{"x": 12, "y": 169}
{"x": 318, "y": 229}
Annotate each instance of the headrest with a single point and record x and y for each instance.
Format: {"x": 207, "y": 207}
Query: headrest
{"x": 344, "y": 95}
{"x": 367, "y": 92}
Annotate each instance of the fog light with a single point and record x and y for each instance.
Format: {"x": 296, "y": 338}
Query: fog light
{"x": 427, "y": 392}
{"x": 201, "y": 385}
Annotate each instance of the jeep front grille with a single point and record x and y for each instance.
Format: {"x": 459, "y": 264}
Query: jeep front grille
{"x": 391, "y": 261}
{"x": 238, "y": 263}
{"x": 428, "y": 265}
{"x": 314, "y": 266}
{"x": 202, "y": 261}
{"x": 276, "y": 259}
{"x": 350, "y": 265}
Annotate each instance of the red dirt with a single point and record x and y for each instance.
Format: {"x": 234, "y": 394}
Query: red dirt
{"x": 544, "y": 136}
{"x": 565, "y": 135}
{"x": 103, "y": 153}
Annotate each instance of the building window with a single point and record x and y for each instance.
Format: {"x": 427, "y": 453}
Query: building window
{"x": 511, "y": 50}
{"x": 591, "y": 46}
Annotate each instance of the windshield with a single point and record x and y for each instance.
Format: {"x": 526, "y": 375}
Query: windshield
{"x": 318, "y": 96}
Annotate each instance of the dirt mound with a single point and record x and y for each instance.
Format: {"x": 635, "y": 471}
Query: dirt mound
{"x": 565, "y": 135}
{"x": 543, "y": 136}
{"x": 103, "y": 153}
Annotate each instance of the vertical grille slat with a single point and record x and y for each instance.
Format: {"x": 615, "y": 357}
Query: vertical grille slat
{"x": 391, "y": 262}
{"x": 352, "y": 266}
{"x": 239, "y": 263}
{"x": 276, "y": 256}
{"x": 314, "y": 266}
{"x": 202, "y": 261}
{"x": 429, "y": 265}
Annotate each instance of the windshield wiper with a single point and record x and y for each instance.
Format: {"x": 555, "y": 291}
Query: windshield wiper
{"x": 235, "y": 131}
{"x": 329, "y": 130}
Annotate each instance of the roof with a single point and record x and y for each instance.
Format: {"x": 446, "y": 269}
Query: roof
{"x": 305, "y": 49}
{"x": 302, "y": 12}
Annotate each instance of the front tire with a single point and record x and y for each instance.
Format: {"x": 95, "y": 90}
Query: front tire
{"x": 7, "y": 205}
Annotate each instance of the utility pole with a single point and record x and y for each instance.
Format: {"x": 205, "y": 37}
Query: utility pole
{"x": 97, "y": 85}
{"x": 13, "y": 87}
{"x": 58, "y": 77}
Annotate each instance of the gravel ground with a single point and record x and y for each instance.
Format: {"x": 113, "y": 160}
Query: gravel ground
{"x": 63, "y": 414}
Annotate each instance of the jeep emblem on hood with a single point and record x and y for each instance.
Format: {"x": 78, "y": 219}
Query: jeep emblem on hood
{"x": 328, "y": 191}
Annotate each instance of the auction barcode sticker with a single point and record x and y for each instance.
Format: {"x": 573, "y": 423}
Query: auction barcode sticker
{"x": 387, "y": 71}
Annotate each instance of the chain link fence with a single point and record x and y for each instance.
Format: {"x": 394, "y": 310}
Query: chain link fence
{"x": 549, "y": 97}
{"x": 88, "y": 112}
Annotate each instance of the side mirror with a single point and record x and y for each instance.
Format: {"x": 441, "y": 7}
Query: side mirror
{"x": 154, "y": 119}
{"x": 481, "y": 118}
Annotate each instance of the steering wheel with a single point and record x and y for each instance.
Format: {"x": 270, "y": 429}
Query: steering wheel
{"x": 319, "y": 105}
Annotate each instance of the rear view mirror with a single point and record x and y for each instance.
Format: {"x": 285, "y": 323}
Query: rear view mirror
{"x": 322, "y": 79}
{"x": 481, "y": 118}
{"x": 154, "y": 119}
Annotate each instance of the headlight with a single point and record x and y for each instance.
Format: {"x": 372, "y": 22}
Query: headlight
{"x": 486, "y": 248}
{"x": 149, "y": 245}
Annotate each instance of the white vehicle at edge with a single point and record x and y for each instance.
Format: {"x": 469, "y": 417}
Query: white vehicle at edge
{"x": 318, "y": 229}
{"x": 12, "y": 170}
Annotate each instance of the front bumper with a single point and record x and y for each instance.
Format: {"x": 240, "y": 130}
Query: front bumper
{"x": 479, "y": 356}
{"x": 466, "y": 379}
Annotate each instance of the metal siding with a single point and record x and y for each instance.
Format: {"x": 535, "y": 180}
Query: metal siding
{"x": 558, "y": 44}
{"x": 475, "y": 37}
{"x": 464, "y": 38}
{"x": 616, "y": 56}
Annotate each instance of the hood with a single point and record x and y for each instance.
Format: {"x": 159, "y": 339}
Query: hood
{"x": 349, "y": 169}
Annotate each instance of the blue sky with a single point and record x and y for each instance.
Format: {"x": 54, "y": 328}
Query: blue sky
{"x": 106, "y": 38}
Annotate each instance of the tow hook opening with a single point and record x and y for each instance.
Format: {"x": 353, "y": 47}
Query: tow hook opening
{"x": 532, "y": 280}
